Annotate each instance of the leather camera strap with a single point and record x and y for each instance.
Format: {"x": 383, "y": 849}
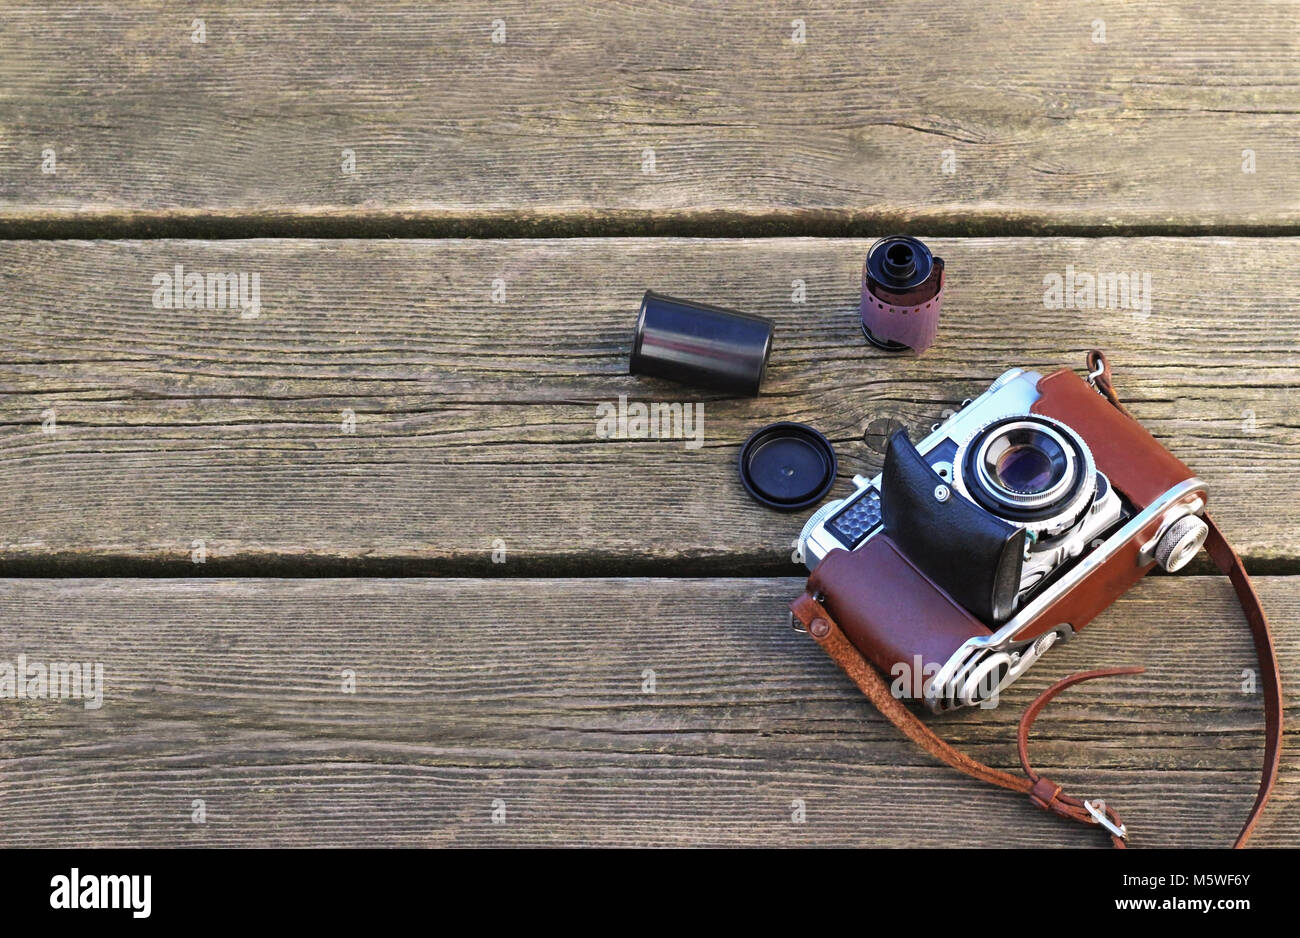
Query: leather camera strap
{"x": 1042, "y": 791}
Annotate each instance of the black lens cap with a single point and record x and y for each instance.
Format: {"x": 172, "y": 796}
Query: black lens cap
{"x": 787, "y": 466}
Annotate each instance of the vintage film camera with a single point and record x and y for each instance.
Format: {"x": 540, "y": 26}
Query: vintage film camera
{"x": 1007, "y": 529}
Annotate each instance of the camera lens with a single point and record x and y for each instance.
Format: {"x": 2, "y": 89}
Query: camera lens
{"x": 1025, "y": 461}
{"x": 1024, "y": 464}
{"x": 1026, "y": 468}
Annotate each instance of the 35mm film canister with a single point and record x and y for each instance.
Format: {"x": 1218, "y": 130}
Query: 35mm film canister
{"x": 902, "y": 290}
{"x": 695, "y": 343}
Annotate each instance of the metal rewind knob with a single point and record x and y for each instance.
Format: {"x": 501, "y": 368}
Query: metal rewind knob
{"x": 1179, "y": 544}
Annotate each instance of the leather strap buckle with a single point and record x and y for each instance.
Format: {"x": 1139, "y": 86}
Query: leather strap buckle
{"x": 797, "y": 623}
{"x": 1100, "y": 817}
{"x": 1098, "y": 370}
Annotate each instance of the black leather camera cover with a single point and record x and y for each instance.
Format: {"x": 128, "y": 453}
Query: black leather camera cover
{"x": 970, "y": 554}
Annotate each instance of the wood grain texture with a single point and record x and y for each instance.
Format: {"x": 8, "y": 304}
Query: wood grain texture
{"x": 532, "y": 691}
{"x": 476, "y": 421}
{"x": 751, "y": 130}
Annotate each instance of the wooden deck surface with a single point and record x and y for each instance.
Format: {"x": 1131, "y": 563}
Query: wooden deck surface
{"x": 393, "y": 470}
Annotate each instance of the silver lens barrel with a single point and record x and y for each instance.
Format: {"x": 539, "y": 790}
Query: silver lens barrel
{"x": 1028, "y": 469}
{"x": 1043, "y": 464}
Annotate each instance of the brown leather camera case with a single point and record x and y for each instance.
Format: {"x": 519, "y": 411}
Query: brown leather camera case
{"x": 873, "y": 605}
{"x": 872, "y": 589}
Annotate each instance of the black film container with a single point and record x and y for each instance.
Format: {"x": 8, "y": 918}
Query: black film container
{"x": 695, "y": 343}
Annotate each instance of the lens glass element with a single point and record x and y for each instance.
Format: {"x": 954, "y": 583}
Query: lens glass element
{"x": 1025, "y": 463}
{"x": 1024, "y": 468}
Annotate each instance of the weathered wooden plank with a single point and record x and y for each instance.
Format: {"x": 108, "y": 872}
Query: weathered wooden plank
{"x": 602, "y": 117}
{"x": 535, "y": 692}
{"x": 477, "y": 421}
